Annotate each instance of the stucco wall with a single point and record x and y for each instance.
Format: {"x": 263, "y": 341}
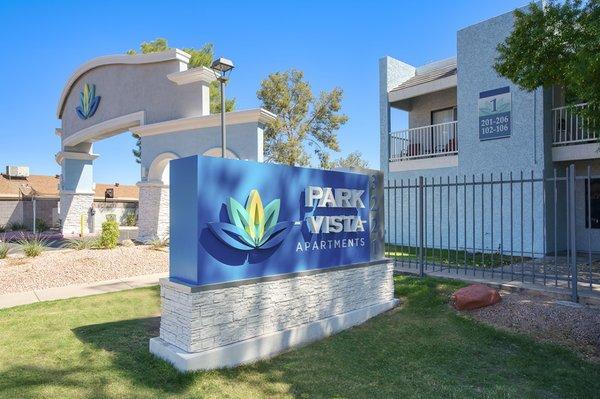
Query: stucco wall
{"x": 17, "y": 211}
{"x": 422, "y": 106}
{"x": 245, "y": 140}
{"x": 391, "y": 73}
{"x": 126, "y": 89}
{"x": 526, "y": 150}
{"x": 11, "y": 211}
{"x": 45, "y": 209}
{"x": 77, "y": 175}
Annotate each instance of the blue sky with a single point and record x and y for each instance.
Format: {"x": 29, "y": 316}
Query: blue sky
{"x": 336, "y": 43}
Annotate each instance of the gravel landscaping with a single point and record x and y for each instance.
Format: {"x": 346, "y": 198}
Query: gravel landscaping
{"x": 545, "y": 319}
{"x": 64, "y": 267}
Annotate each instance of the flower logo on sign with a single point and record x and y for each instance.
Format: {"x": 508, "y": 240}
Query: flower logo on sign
{"x": 252, "y": 227}
{"x": 88, "y": 102}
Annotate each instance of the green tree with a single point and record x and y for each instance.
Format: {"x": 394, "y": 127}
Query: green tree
{"x": 304, "y": 122}
{"x": 352, "y": 160}
{"x": 555, "y": 44}
{"x": 201, "y": 56}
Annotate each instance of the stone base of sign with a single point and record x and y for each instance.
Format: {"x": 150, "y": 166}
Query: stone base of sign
{"x": 207, "y": 327}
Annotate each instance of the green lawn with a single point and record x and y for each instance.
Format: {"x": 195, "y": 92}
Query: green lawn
{"x": 452, "y": 257}
{"x": 96, "y": 347}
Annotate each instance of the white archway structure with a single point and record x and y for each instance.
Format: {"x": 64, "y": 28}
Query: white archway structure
{"x": 217, "y": 151}
{"x": 159, "y": 168}
{"x": 158, "y": 98}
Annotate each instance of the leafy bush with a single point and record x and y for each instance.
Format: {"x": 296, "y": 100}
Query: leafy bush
{"x": 4, "y": 248}
{"x": 82, "y": 243}
{"x": 157, "y": 243}
{"x": 41, "y": 225}
{"x": 16, "y": 226}
{"x": 110, "y": 234}
{"x": 111, "y": 216}
{"x": 33, "y": 246}
{"x": 130, "y": 218}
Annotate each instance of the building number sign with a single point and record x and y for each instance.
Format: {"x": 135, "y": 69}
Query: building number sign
{"x": 494, "y": 113}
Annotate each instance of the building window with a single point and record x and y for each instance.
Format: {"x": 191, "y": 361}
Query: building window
{"x": 443, "y": 132}
{"x": 443, "y": 115}
{"x": 592, "y": 199}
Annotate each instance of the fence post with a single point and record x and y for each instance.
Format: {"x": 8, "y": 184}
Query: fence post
{"x": 572, "y": 240}
{"x": 420, "y": 227}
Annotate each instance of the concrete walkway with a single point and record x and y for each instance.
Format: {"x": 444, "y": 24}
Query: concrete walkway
{"x": 74, "y": 291}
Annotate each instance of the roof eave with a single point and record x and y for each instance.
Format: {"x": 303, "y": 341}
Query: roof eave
{"x": 422, "y": 89}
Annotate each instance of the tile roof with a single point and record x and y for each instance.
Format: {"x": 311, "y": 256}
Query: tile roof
{"x": 124, "y": 192}
{"x": 47, "y": 186}
{"x": 428, "y": 76}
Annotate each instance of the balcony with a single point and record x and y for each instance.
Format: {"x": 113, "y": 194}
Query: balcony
{"x": 425, "y": 147}
{"x": 573, "y": 137}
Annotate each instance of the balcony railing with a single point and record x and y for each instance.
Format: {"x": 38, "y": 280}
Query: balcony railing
{"x": 572, "y": 128}
{"x": 424, "y": 142}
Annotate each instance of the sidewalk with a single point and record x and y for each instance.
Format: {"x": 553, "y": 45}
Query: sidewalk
{"x": 74, "y": 291}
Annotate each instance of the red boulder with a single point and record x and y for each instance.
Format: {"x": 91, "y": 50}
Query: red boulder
{"x": 475, "y": 296}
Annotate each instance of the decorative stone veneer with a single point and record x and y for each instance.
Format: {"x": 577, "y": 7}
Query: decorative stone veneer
{"x": 72, "y": 207}
{"x": 198, "y": 319}
{"x": 153, "y": 212}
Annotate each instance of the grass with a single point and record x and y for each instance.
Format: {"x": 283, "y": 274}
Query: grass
{"x": 97, "y": 347}
{"x": 81, "y": 243}
{"x": 130, "y": 218}
{"x": 33, "y": 246}
{"x": 16, "y": 226}
{"x": 451, "y": 257}
{"x": 158, "y": 243}
{"x": 4, "y": 249}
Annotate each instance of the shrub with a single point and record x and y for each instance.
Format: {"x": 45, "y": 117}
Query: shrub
{"x": 110, "y": 234}
{"x": 33, "y": 246}
{"x": 157, "y": 243}
{"x": 111, "y": 216}
{"x": 4, "y": 248}
{"x": 82, "y": 243}
{"x": 16, "y": 226}
{"x": 130, "y": 219}
{"x": 41, "y": 225}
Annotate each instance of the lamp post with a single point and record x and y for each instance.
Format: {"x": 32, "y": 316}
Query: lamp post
{"x": 224, "y": 67}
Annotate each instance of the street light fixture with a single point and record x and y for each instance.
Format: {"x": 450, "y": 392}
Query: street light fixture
{"x": 222, "y": 68}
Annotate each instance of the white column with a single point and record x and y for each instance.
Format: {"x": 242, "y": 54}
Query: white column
{"x": 76, "y": 191}
{"x": 75, "y": 213}
{"x": 153, "y": 211}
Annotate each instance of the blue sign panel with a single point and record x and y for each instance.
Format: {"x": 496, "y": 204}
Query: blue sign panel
{"x": 494, "y": 113}
{"x": 234, "y": 220}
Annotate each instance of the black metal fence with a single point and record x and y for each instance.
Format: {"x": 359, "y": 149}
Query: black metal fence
{"x": 535, "y": 229}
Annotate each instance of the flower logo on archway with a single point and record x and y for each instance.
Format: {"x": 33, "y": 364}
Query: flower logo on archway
{"x": 252, "y": 227}
{"x": 88, "y": 102}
